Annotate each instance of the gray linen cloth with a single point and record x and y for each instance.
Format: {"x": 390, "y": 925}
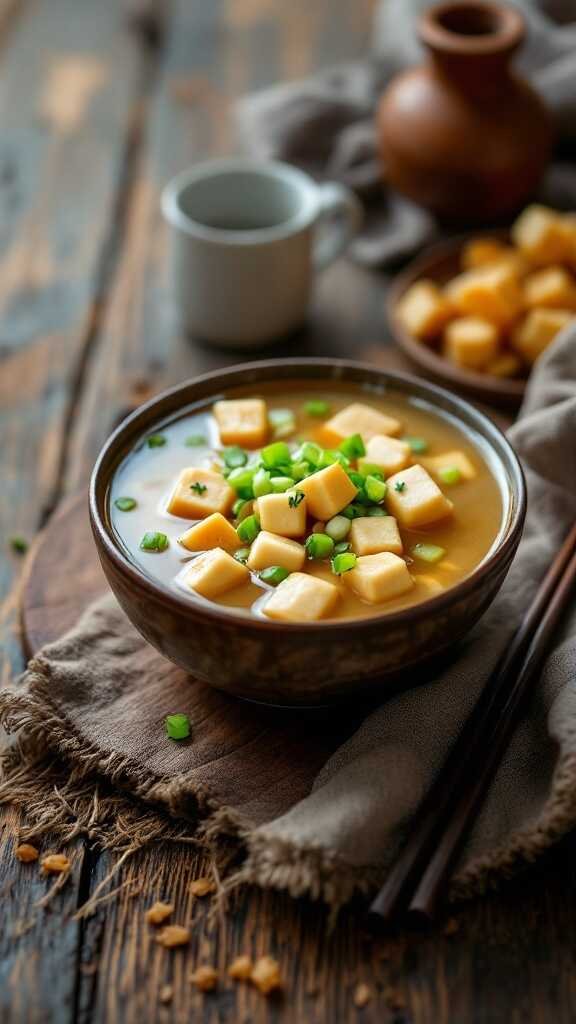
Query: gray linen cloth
{"x": 316, "y": 803}
{"x": 325, "y": 124}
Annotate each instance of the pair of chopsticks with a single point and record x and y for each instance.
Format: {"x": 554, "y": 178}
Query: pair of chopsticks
{"x": 417, "y": 882}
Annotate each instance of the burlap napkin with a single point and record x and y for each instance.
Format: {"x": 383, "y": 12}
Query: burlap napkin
{"x": 325, "y": 124}
{"x": 314, "y": 802}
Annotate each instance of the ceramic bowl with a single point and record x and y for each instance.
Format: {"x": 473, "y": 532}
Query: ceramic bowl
{"x": 308, "y": 663}
{"x": 440, "y": 263}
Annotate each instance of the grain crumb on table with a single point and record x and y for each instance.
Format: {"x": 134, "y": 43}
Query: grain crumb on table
{"x": 202, "y": 886}
{"x": 55, "y": 864}
{"x": 266, "y": 975}
{"x": 159, "y": 912}
{"x": 205, "y": 978}
{"x": 241, "y": 968}
{"x": 26, "y": 853}
{"x": 166, "y": 994}
{"x": 173, "y": 935}
{"x": 362, "y": 995}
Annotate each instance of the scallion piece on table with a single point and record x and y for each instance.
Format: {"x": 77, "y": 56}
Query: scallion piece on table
{"x": 428, "y": 552}
{"x": 125, "y": 504}
{"x": 375, "y": 488}
{"x": 282, "y": 422}
{"x": 280, "y": 484}
{"x": 234, "y": 457}
{"x": 353, "y": 447}
{"x": 449, "y": 474}
{"x": 343, "y": 563}
{"x": 316, "y": 407}
{"x": 274, "y": 575}
{"x": 261, "y": 483}
{"x": 342, "y": 547}
{"x": 154, "y": 541}
{"x": 248, "y": 529}
{"x": 275, "y": 454}
{"x": 319, "y": 545}
{"x": 419, "y": 445}
{"x": 156, "y": 441}
{"x": 338, "y": 527}
{"x": 195, "y": 440}
{"x": 19, "y": 545}
{"x": 177, "y": 726}
{"x": 242, "y": 555}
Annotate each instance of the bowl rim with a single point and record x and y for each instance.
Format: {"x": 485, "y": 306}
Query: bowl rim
{"x": 504, "y": 549}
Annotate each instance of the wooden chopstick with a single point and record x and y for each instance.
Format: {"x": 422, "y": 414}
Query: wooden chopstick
{"x": 417, "y": 880}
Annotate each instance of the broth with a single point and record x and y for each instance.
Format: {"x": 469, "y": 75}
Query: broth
{"x": 148, "y": 475}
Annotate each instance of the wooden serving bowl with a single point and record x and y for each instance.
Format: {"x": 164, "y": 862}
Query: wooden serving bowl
{"x": 302, "y": 663}
{"x": 440, "y": 263}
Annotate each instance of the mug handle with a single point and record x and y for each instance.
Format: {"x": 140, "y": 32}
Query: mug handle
{"x": 339, "y": 205}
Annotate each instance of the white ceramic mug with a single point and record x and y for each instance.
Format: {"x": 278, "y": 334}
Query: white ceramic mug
{"x": 246, "y": 239}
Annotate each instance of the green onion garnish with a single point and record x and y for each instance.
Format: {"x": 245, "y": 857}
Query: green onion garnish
{"x": 428, "y": 552}
{"x": 154, "y": 541}
{"x": 234, "y": 457}
{"x": 316, "y": 407}
{"x": 375, "y": 510}
{"x": 248, "y": 529}
{"x": 177, "y": 726}
{"x": 353, "y": 447}
{"x": 242, "y": 555}
{"x": 338, "y": 527}
{"x": 280, "y": 484}
{"x": 274, "y": 575}
{"x": 330, "y": 456}
{"x": 195, "y": 440}
{"x": 418, "y": 444}
{"x": 282, "y": 422}
{"x": 125, "y": 504}
{"x": 449, "y": 474}
{"x": 261, "y": 483}
{"x": 295, "y": 499}
{"x": 342, "y": 547}
{"x": 375, "y": 488}
{"x": 238, "y": 506}
{"x": 319, "y": 545}
{"x": 276, "y": 454}
{"x": 344, "y": 562}
{"x": 19, "y": 545}
{"x": 300, "y": 469}
{"x": 309, "y": 452}
{"x": 356, "y": 479}
{"x": 400, "y": 486}
{"x": 198, "y": 488}
{"x": 241, "y": 480}
{"x": 156, "y": 441}
{"x": 371, "y": 469}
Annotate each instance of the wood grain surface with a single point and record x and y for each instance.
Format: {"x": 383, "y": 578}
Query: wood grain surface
{"x": 101, "y": 101}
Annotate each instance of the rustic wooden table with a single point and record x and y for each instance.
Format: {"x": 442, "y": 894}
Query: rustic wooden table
{"x": 98, "y": 110}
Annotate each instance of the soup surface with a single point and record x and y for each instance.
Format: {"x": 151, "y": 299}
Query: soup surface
{"x": 306, "y": 502}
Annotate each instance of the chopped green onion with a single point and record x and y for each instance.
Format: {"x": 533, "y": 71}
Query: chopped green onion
{"x": 343, "y": 563}
{"x": 274, "y": 575}
{"x": 282, "y": 422}
{"x": 353, "y": 446}
{"x": 19, "y": 545}
{"x": 177, "y": 726}
{"x": 195, "y": 440}
{"x": 154, "y": 541}
{"x": 418, "y": 444}
{"x": 275, "y": 454}
{"x": 248, "y": 529}
{"x": 449, "y": 474}
{"x": 319, "y": 545}
{"x": 330, "y": 456}
{"x": 156, "y": 441}
{"x": 261, "y": 483}
{"x": 241, "y": 480}
{"x": 198, "y": 488}
{"x": 342, "y": 547}
{"x": 428, "y": 552}
{"x": 338, "y": 527}
{"x": 280, "y": 484}
{"x": 371, "y": 469}
{"x": 125, "y": 504}
{"x": 375, "y": 488}
{"x": 234, "y": 457}
{"x": 309, "y": 452}
{"x": 400, "y": 486}
{"x": 238, "y": 506}
{"x": 242, "y": 555}
{"x": 375, "y": 510}
{"x": 295, "y": 499}
{"x": 356, "y": 479}
{"x": 300, "y": 469}
{"x": 316, "y": 407}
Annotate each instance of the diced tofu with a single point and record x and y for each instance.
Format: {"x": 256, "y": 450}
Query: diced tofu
{"x": 214, "y": 532}
{"x": 379, "y": 577}
{"x": 358, "y": 419}
{"x": 491, "y": 293}
{"x": 414, "y": 499}
{"x": 553, "y": 287}
{"x": 372, "y": 534}
{"x": 538, "y": 330}
{"x": 328, "y": 491}
{"x": 302, "y": 598}
{"x": 388, "y": 453}
{"x": 541, "y": 236}
{"x": 471, "y": 342}
{"x": 270, "y": 549}
{"x": 278, "y": 515}
{"x": 242, "y": 421}
{"x": 213, "y": 573}
{"x": 449, "y": 460}
{"x": 479, "y": 252}
{"x": 200, "y": 492}
{"x": 423, "y": 310}
{"x": 505, "y": 365}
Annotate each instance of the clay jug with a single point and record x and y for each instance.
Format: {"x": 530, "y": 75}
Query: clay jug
{"x": 464, "y": 135}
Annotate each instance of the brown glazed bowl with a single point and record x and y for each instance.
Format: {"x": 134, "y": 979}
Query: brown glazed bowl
{"x": 307, "y": 663}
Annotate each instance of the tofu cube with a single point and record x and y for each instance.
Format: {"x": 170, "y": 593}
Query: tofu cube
{"x": 371, "y": 534}
{"x": 541, "y": 236}
{"x": 302, "y": 598}
{"x": 213, "y": 532}
{"x": 553, "y": 287}
{"x": 199, "y": 493}
{"x": 242, "y": 421}
{"x": 381, "y": 577}
{"x": 423, "y": 310}
{"x": 328, "y": 491}
{"x": 388, "y": 453}
{"x": 480, "y": 252}
{"x": 213, "y": 573}
{"x": 450, "y": 460}
{"x": 270, "y": 549}
{"x": 414, "y": 499}
{"x": 538, "y": 330}
{"x": 278, "y": 515}
{"x": 505, "y": 365}
{"x": 358, "y": 418}
{"x": 491, "y": 293}
{"x": 471, "y": 342}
